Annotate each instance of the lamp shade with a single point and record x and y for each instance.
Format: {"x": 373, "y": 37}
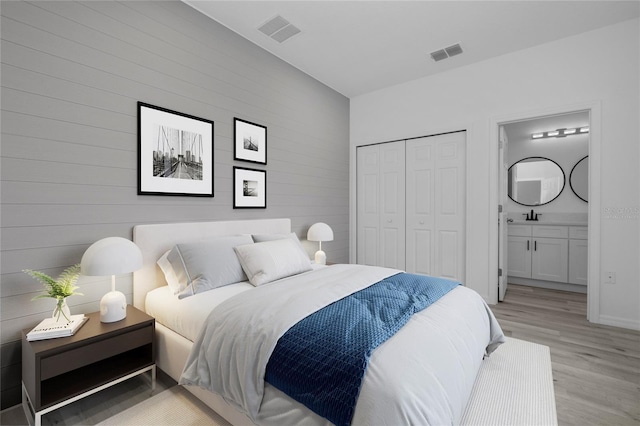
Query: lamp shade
{"x": 111, "y": 256}
{"x": 320, "y": 232}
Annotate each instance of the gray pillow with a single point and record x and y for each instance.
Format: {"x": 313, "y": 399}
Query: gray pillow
{"x": 261, "y": 238}
{"x": 206, "y": 265}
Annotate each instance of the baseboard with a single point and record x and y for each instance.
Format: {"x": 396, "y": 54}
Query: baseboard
{"x": 618, "y": 322}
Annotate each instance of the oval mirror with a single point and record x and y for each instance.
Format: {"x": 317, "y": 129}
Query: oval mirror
{"x": 534, "y": 181}
{"x": 579, "y": 179}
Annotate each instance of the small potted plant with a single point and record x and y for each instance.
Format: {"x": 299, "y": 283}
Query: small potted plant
{"x": 58, "y": 289}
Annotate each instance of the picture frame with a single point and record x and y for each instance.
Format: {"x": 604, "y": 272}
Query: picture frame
{"x": 250, "y": 141}
{"x": 175, "y": 153}
{"x": 249, "y": 188}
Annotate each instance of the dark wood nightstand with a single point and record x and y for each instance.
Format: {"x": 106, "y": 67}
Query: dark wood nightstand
{"x": 57, "y": 372}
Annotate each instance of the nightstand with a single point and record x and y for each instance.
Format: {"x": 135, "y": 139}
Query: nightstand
{"x": 57, "y": 372}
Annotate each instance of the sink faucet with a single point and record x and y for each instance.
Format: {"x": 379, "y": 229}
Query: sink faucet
{"x": 531, "y": 216}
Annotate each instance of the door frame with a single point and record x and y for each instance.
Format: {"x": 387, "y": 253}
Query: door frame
{"x": 594, "y": 218}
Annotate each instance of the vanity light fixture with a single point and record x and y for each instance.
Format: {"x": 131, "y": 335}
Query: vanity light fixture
{"x": 560, "y": 133}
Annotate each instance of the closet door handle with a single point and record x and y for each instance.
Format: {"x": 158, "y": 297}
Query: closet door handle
{"x": 528, "y": 241}
{"x": 535, "y": 245}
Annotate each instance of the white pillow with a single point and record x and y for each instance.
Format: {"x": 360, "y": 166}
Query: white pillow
{"x": 206, "y": 265}
{"x": 261, "y": 238}
{"x": 271, "y": 260}
{"x": 169, "y": 275}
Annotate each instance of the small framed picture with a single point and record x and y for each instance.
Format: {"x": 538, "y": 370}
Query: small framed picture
{"x": 250, "y": 141}
{"x": 175, "y": 153}
{"x": 249, "y": 188}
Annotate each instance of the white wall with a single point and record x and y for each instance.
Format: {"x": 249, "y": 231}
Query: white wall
{"x": 600, "y": 67}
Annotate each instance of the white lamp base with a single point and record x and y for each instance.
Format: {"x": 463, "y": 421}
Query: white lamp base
{"x": 113, "y": 307}
{"x": 321, "y": 258}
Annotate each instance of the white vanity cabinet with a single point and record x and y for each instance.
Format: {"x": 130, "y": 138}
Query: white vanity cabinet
{"x": 519, "y": 251}
{"x": 578, "y": 255}
{"x": 539, "y": 252}
{"x": 552, "y": 256}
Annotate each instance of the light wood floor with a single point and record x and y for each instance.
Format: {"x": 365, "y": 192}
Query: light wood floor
{"x": 596, "y": 369}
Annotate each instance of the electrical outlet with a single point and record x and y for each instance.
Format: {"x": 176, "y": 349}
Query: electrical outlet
{"x": 610, "y": 277}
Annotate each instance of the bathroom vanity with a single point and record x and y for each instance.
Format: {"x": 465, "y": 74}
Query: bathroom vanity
{"x": 552, "y": 255}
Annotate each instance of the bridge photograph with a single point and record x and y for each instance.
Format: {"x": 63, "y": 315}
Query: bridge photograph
{"x": 178, "y": 154}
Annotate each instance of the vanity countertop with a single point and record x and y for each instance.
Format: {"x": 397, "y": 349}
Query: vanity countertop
{"x": 554, "y": 223}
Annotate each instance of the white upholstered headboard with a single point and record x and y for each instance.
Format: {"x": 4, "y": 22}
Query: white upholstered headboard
{"x": 156, "y": 239}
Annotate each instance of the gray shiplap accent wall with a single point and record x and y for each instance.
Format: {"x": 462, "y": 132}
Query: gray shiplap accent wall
{"x": 72, "y": 73}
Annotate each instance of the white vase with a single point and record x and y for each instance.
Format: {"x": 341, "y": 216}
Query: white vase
{"x": 61, "y": 312}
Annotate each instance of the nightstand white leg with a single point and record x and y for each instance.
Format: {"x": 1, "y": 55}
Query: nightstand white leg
{"x": 33, "y": 418}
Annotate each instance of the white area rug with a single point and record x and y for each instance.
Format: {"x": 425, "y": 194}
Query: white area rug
{"x": 172, "y": 407}
{"x": 514, "y": 387}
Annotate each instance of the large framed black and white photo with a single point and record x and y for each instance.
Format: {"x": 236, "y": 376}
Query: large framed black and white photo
{"x": 175, "y": 153}
{"x": 250, "y": 141}
{"x": 249, "y": 188}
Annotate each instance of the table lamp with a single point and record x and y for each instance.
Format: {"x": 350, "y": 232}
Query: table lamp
{"x": 111, "y": 256}
{"x": 320, "y": 232}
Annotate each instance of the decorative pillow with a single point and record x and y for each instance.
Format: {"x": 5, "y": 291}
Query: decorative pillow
{"x": 169, "y": 275}
{"x": 271, "y": 260}
{"x": 260, "y": 238}
{"x": 208, "y": 264}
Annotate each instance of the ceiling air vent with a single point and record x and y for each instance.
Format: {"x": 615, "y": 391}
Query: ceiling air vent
{"x": 279, "y": 29}
{"x": 447, "y": 52}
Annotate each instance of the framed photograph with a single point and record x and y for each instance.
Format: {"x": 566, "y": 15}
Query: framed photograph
{"x": 175, "y": 153}
{"x": 250, "y": 141}
{"x": 249, "y": 188}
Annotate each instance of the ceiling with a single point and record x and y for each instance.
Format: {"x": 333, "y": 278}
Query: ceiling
{"x": 356, "y": 47}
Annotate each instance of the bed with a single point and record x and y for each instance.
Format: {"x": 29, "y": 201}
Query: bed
{"x": 442, "y": 345}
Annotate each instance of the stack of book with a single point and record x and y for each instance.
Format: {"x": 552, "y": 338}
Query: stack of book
{"x": 49, "y": 328}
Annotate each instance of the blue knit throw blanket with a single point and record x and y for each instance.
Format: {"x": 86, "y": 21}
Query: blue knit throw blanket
{"x": 321, "y": 361}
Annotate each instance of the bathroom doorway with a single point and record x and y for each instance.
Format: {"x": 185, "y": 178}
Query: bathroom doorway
{"x": 543, "y": 175}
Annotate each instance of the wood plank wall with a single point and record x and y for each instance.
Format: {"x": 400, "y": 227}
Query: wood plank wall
{"x": 72, "y": 73}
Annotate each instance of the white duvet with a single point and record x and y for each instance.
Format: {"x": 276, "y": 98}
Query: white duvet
{"x": 422, "y": 375}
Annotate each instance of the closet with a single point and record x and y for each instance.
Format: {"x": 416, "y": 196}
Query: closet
{"x": 410, "y": 198}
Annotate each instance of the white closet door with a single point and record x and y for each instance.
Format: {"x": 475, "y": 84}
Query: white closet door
{"x": 392, "y": 219}
{"x": 380, "y": 199}
{"x": 435, "y": 230}
{"x": 368, "y": 204}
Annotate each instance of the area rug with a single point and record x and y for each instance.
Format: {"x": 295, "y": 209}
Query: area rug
{"x": 172, "y": 407}
{"x": 514, "y": 387}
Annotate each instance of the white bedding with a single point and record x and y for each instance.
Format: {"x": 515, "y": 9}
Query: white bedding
{"x": 422, "y": 375}
{"x": 187, "y": 316}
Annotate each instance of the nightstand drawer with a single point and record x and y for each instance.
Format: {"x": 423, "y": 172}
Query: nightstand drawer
{"x": 76, "y": 358}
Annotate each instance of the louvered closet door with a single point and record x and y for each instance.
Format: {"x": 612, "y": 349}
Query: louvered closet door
{"x": 435, "y": 203}
{"x": 380, "y": 205}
